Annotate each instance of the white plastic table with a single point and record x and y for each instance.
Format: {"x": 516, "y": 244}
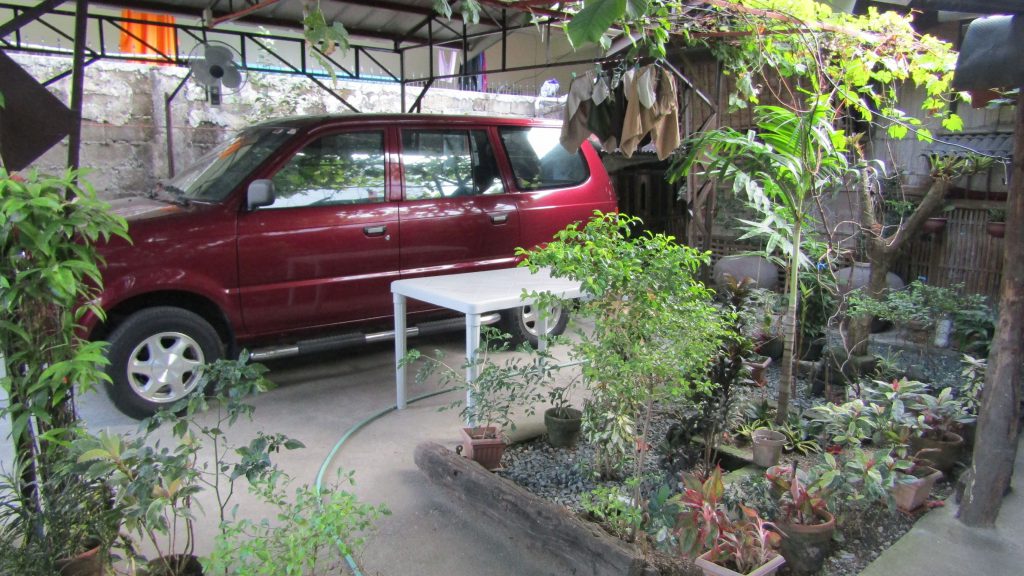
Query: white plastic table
{"x": 473, "y": 294}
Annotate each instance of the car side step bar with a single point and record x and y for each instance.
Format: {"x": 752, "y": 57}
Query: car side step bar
{"x": 359, "y": 338}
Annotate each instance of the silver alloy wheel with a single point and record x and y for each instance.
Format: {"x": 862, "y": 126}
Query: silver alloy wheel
{"x": 531, "y": 315}
{"x": 164, "y": 368}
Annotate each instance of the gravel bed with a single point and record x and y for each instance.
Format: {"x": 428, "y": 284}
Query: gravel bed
{"x": 563, "y": 476}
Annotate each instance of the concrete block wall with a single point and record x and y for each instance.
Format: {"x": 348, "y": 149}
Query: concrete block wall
{"x": 124, "y": 143}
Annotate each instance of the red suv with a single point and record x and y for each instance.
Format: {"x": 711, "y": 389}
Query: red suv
{"x": 286, "y": 238}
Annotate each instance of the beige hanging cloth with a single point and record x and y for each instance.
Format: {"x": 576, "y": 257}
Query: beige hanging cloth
{"x": 655, "y": 85}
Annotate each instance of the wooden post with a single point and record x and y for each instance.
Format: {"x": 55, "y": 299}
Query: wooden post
{"x": 995, "y": 444}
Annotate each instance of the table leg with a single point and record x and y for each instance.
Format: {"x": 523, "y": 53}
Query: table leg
{"x": 472, "y": 345}
{"x": 400, "y": 346}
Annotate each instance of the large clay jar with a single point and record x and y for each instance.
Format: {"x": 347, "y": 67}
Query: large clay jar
{"x": 941, "y": 454}
{"x": 764, "y": 273}
{"x": 858, "y": 275}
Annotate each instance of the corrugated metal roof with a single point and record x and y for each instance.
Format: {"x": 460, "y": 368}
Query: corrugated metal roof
{"x": 400, "y": 21}
{"x": 990, "y": 143}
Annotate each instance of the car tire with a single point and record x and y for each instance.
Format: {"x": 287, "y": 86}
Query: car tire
{"x": 521, "y": 324}
{"x": 155, "y": 356}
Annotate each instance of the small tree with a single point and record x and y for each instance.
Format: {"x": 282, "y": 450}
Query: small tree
{"x": 655, "y": 327}
{"x": 48, "y": 278}
{"x": 793, "y": 159}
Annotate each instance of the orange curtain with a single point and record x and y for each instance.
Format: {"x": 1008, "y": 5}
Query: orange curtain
{"x": 159, "y": 35}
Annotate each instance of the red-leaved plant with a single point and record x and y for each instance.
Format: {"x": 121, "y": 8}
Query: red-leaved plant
{"x": 801, "y": 500}
{"x": 704, "y": 524}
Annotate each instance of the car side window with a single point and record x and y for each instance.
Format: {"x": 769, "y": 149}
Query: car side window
{"x": 346, "y": 168}
{"x": 539, "y": 161}
{"x": 449, "y": 163}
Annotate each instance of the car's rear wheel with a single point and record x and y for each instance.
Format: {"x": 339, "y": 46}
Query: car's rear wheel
{"x": 522, "y": 324}
{"x": 155, "y": 358}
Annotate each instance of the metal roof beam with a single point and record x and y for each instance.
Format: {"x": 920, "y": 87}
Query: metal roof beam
{"x": 29, "y": 15}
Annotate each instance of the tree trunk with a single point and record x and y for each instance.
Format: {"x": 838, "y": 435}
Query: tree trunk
{"x": 881, "y": 251}
{"x": 995, "y": 444}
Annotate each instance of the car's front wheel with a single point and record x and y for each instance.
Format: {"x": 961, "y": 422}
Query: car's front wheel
{"x": 523, "y": 323}
{"x": 155, "y": 358}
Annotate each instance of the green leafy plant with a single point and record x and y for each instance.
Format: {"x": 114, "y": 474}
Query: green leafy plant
{"x": 77, "y": 518}
{"x": 154, "y": 487}
{"x": 312, "y": 532}
{"x": 803, "y": 497}
{"x": 654, "y": 327}
{"x": 614, "y": 508}
{"x": 921, "y": 306}
{"x": 791, "y": 159}
{"x": 49, "y": 274}
{"x": 940, "y": 414}
{"x": 973, "y": 374}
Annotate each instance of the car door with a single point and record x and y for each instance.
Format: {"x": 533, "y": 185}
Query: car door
{"x": 326, "y": 250}
{"x": 456, "y": 213}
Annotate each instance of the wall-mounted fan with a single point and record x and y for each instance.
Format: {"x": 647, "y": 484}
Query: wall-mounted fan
{"x": 215, "y": 66}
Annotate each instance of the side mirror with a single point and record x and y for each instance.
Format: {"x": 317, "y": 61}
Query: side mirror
{"x": 260, "y": 193}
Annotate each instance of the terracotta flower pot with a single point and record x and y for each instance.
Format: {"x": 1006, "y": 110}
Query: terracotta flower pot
{"x": 758, "y": 369}
{"x": 933, "y": 225}
{"x": 996, "y": 229}
{"x": 767, "y": 447}
{"x": 88, "y": 563}
{"x": 805, "y": 546}
{"x": 563, "y": 432}
{"x": 712, "y": 569}
{"x": 941, "y": 454}
{"x": 483, "y": 445}
{"x": 910, "y": 495}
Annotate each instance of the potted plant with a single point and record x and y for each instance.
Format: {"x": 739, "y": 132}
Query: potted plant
{"x": 49, "y": 274}
{"x": 153, "y": 487}
{"x": 805, "y": 521}
{"x": 492, "y": 396}
{"x": 745, "y": 545}
{"x": 938, "y": 417}
{"x": 767, "y": 446}
{"x": 996, "y": 226}
{"x": 563, "y": 422}
{"x": 913, "y": 485}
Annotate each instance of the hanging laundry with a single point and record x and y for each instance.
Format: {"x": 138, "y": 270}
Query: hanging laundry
{"x": 633, "y": 129}
{"x": 606, "y": 119}
{"x": 601, "y": 89}
{"x": 665, "y": 125}
{"x": 578, "y": 106}
{"x": 645, "y": 86}
{"x": 661, "y": 119}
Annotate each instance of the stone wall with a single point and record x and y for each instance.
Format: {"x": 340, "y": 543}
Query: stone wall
{"x": 124, "y": 142}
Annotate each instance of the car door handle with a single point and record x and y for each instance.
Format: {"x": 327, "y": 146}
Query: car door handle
{"x": 375, "y": 230}
{"x": 499, "y": 218}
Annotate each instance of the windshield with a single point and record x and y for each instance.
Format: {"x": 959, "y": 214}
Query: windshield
{"x": 213, "y": 176}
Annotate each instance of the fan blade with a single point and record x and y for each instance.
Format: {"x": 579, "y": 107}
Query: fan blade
{"x": 201, "y": 70}
{"x": 232, "y": 77}
{"x": 216, "y": 54}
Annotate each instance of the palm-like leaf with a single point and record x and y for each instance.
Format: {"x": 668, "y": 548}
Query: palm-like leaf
{"x": 780, "y": 169}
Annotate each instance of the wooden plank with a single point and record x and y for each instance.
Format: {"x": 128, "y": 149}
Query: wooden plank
{"x": 536, "y": 523}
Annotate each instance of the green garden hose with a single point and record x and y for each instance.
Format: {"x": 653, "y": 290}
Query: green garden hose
{"x": 341, "y": 442}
